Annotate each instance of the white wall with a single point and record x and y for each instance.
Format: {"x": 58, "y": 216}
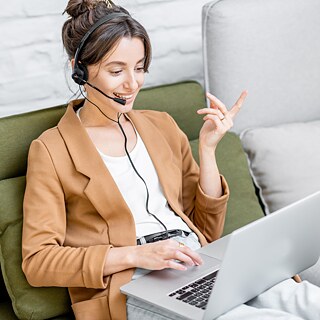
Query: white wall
{"x": 33, "y": 65}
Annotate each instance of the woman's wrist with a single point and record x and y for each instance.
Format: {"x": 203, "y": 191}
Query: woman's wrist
{"x": 119, "y": 259}
{"x": 206, "y": 153}
{"x": 205, "y": 148}
{"x": 131, "y": 256}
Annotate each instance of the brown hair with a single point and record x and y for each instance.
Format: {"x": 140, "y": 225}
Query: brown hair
{"x": 83, "y": 14}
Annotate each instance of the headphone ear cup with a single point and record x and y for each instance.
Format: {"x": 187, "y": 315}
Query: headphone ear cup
{"x": 80, "y": 74}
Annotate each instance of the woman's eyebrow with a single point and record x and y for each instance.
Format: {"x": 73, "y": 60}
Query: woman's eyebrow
{"x": 121, "y": 63}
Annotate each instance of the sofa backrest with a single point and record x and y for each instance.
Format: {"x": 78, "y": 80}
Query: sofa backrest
{"x": 272, "y": 49}
{"x": 17, "y": 132}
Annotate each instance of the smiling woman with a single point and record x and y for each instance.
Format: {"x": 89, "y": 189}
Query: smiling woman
{"x": 113, "y": 192}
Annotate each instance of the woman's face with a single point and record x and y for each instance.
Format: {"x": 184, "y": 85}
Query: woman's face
{"x": 120, "y": 74}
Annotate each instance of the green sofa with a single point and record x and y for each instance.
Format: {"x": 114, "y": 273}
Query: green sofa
{"x": 18, "y": 300}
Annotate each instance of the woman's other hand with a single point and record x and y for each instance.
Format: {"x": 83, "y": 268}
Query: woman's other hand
{"x": 152, "y": 256}
{"x": 166, "y": 254}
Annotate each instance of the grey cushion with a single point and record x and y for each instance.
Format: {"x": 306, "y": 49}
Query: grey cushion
{"x": 271, "y": 48}
{"x": 284, "y": 161}
{"x": 285, "y": 164}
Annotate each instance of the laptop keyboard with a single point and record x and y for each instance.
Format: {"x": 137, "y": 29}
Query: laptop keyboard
{"x": 196, "y": 293}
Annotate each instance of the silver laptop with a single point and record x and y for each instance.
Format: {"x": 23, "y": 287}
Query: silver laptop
{"x": 239, "y": 266}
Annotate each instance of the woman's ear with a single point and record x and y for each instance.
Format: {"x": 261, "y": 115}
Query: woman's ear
{"x": 72, "y": 63}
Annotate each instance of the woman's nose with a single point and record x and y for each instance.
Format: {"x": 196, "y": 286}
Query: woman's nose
{"x": 131, "y": 81}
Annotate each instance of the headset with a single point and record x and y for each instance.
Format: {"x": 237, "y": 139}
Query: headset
{"x": 80, "y": 73}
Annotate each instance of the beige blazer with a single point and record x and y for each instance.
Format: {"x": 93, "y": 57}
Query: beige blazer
{"x": 74, "y": 212}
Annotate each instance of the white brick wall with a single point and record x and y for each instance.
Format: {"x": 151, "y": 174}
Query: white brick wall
{"x": 33, "y": 66}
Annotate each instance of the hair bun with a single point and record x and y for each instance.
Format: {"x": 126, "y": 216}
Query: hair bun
{"x": 75, "y": 8}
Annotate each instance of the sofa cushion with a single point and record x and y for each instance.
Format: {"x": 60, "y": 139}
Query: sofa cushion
{"x": 243, "y": 205}
{"x": 28, "y": 302}
{"x": 181, "y": 100}
{"x": 284, "y": 161}
{"x": 16, "y": 134}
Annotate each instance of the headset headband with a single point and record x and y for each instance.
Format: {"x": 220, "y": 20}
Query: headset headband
{"x": 79, "y": 74}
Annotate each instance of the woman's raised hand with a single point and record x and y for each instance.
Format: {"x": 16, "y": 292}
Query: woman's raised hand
{"x": 218, "y": 119}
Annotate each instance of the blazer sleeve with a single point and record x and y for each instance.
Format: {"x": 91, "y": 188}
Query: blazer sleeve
{"x": 46, "y": 261}
{"x": 207, "y": 213}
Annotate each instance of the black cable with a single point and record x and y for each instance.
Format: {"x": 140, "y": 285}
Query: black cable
{"x": 96, "y": 105}
{"x": 138, "y": 174}
{"x": 131, "y": 162}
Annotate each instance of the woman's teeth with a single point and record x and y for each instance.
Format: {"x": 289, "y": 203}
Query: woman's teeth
{"x": 123, "y": 97}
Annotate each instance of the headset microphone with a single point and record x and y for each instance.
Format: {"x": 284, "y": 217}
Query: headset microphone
{"x": 119, "y": 100}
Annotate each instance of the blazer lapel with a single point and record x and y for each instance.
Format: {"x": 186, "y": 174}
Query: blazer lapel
{"x": 161, "y": 155}
{"x": 101, "y": 189}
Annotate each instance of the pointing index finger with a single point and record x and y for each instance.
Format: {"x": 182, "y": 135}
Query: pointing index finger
{"x": 237, "y": 106}
{"x": 216, "y": 103}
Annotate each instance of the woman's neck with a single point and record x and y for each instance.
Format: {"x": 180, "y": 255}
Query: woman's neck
{"x": 95, "y": 116}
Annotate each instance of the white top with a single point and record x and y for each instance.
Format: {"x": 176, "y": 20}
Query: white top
{"x": 134, "y": 191}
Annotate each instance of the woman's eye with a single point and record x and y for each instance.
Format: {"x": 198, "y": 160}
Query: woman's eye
{"x": 115, "y": 73}
{"x": 140, "y": 69}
